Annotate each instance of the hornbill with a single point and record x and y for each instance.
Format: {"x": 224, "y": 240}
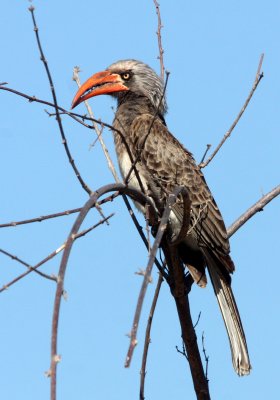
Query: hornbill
{"x": 162, "y": 164}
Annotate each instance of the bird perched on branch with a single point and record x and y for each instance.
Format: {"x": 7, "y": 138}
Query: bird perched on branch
{"x": 154, "y": 161}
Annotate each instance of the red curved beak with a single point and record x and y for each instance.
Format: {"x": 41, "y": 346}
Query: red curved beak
{"x": 103, "y": 82}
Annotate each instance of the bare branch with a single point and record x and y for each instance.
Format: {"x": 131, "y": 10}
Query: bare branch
{"x": 56, "y": 215}
{"x": 77, "y": 117}
{"x": 161, "y": 51}
{"x": 49, "y": 257}
{"x": 30, "y": 268}
{"x": 258, "y": 78}
{"x": 257, "y": 207}
{"x": 40, "y": 219}
{"x": 148, "y": 338}
{"x": 206, "y": 358}
{"x": 183, "y": 352}
{"x": 198, "y": 319}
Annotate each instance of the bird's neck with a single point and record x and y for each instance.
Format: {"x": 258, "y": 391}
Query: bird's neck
{"x": 131, "y": 106}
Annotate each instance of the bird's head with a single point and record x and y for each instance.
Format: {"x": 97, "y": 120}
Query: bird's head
{"x": 123, "y": 77}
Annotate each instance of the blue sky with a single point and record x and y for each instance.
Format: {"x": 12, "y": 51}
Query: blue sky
{"x": 212, "y": 51}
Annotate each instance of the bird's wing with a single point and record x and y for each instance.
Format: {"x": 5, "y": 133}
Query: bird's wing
{"x": 169, "y": 165}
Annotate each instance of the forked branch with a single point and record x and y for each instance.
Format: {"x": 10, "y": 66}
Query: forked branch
{"x": 50, "y": 256}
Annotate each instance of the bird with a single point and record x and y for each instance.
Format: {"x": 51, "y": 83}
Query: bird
{"x": 162, "y": 163}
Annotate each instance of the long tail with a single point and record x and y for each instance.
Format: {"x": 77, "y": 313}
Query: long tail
{"x": 236, "y": 335}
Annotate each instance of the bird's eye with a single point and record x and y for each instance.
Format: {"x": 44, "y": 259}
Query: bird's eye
{"x": 126, "y": 76}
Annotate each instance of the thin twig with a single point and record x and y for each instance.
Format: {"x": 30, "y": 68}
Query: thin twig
{"x": 254, "y": 209}
{"x": 40, "y": 219}
{"x": 208, "y": 146}
{"x": 148, "y": 338}
{"x": 77, "y": 117}
{"x": 258, "y": 78}
{"x": 30, "y": 268}
{"x": 91, "y": 228}
{"x": 161, "y": 51}
{"x": 91, "y": 145}
{"x": 56, "y": 215}
{"x": 206, "y": 358}
{"x": 50, "y": 256}
{"x": 198, "y": 319}
{"x": 183, "y": 352}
